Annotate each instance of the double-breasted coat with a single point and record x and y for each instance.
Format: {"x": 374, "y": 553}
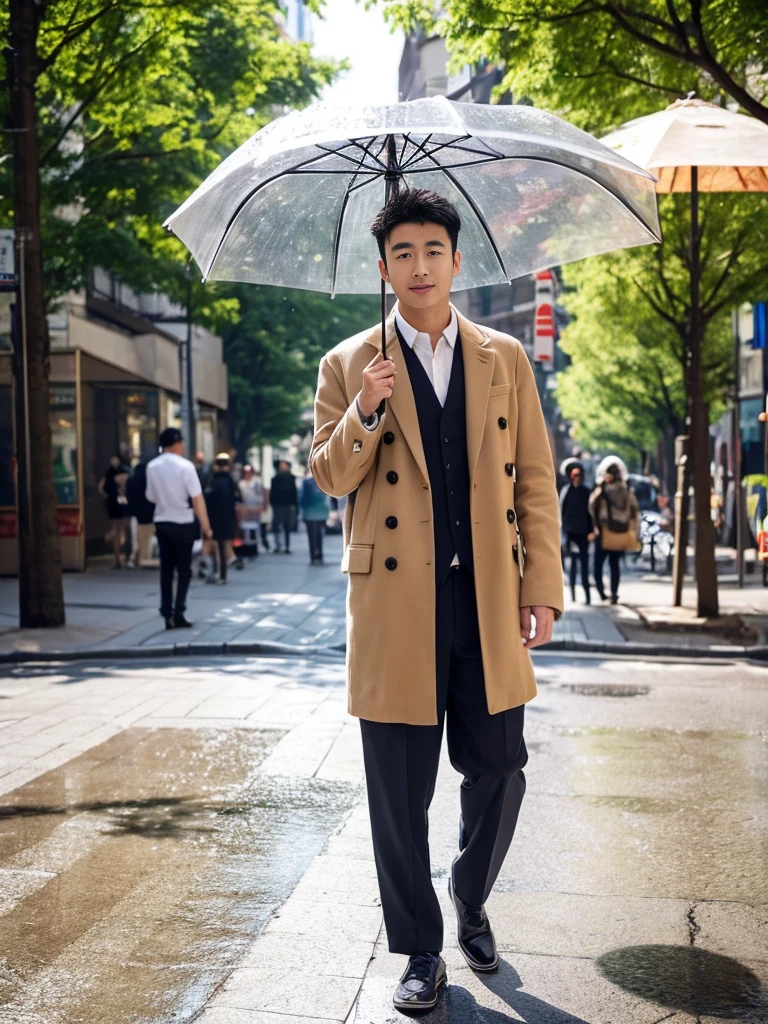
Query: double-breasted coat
{"x": 388, "y": 531}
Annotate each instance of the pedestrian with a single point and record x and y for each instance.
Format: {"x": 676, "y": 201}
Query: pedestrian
{"x": 576, "y": 524}
{"x": 142, "y": 514}
{"x": 112, "y": 487}
{"x": 202, "y": 468}
{"x": 253, "y": 501}
{"x": 447, "y": 476}
{"x": 616, "y": 515}
{"x": 221, "y": 498}
{"x": 314, "y": 511}
{"x": 283, "y": 497}
{"x": 174, "y": 488}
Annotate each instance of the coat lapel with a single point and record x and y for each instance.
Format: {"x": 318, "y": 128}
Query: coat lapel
{"x": 479, "y": 361}
{"x": 402, "y": 404}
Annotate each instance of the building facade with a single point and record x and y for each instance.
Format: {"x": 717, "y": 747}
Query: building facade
{"x": 114, "y": 385}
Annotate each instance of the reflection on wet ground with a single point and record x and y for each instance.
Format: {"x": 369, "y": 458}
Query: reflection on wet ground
{"x": 134, "y": 877}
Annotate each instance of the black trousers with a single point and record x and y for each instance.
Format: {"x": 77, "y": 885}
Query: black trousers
{"x": 175, "y": 541}
{"x": 315, "y": 532}
{"x": 614, "y": 559}
{"x": 581, "y": 542}
{"x": 401, "y": 763}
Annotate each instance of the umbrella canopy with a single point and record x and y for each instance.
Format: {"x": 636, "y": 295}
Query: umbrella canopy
{"x": 729, "y": 150}
{"x": 293, "y": 205}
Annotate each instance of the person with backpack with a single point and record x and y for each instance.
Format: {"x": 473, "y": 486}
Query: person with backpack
{"x": 616, "y": 516}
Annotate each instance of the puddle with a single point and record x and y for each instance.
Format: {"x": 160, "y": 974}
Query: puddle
{"x": 606, "y": 689}
{"x": 134, "y": 877}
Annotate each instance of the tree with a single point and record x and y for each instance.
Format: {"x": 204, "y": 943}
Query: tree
{"x": 602, "y": 62}
{"x": 627, "y": 340}
{"x": 121, "y": 108}
{"x": 273, "y": 348}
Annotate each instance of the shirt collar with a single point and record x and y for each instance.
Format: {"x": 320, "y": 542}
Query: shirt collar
{"x": 410, "y": 334}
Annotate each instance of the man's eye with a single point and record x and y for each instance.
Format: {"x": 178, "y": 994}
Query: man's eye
{"x": 403, "y": 255}
{"x": 435, "y": 252}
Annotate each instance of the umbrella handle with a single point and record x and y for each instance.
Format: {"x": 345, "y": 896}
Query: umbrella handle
{"x": 383, "y": 403}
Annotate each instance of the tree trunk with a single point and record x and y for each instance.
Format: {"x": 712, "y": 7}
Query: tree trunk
{"x": 704, "y": 557}
{"x": 41, "y": 597}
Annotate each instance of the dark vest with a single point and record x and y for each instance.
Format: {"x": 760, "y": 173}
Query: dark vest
{"x": 444, "y": 438}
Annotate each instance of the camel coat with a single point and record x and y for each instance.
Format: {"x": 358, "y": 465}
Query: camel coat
{"x": 515, "y": 522}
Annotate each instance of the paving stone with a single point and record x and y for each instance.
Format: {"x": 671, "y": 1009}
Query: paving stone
{"x": 289, "y": 992}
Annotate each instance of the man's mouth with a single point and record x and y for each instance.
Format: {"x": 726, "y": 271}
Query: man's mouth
{"x": 421, "y": 289}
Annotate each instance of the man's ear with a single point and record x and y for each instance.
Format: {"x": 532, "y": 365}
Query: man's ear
{"x": 383, "y": 270}
{"x": 456, "y": 262}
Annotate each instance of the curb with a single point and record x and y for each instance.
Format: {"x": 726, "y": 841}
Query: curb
{"x": 160, "y": 651}
{"x": 274, "y": 649}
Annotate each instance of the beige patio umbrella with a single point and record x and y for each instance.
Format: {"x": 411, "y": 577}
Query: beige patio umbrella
{"x": 694, "y": 146}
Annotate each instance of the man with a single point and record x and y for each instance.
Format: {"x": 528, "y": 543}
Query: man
{"x": 174, "y": 488}
{"x": 445, "y": 478}
{"x": 577, "y": 527}
{"x": 284, "y": 499}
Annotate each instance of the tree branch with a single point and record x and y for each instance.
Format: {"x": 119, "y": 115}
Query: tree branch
{"x": 93, "y": 95}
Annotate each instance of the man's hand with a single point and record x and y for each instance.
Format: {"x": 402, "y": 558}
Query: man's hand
{"x": 378, "y": 383}
{"x": 207, "y": 533}
{"x": 544, "y": 619}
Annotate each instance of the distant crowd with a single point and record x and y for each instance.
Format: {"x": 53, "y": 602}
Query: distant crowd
{"x": 245, "y": 516}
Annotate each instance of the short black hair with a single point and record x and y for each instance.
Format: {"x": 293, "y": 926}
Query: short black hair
{"x": 169, "y": 437}
{"x": 416, "y": 206}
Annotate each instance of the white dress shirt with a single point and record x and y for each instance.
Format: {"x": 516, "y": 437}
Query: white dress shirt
{"x": 171, "y": 482}
{"x": 437, "y": 363}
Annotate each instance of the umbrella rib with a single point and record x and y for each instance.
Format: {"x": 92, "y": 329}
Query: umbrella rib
{"x": 337, "y": 233}
{"x": 479, "y": 214}
{"x": 347, "y": 157}
{"x": 246, "y": 199}
{"x": 425, "y": 153}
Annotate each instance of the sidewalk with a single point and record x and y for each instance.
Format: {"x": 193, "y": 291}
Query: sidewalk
{"x": 282, "y": 600}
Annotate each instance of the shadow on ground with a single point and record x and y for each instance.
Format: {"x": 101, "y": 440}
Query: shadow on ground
{"x": 694, "y": 980}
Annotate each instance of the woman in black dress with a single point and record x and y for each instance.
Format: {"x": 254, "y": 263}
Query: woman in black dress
{"x": 112, "y": 488}
{"x": 221, "y": 498}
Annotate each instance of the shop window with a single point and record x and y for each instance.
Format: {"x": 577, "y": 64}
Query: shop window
{"x": 63, "y": 419}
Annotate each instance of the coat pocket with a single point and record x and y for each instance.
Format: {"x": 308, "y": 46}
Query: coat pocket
{"x": 357, "y": 558}
{"x": 499, "y": 389}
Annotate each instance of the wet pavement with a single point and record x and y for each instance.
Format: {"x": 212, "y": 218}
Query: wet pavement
{"x": 192, "y": 828}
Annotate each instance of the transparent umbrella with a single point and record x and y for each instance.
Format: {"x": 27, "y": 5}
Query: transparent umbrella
{"x": 294, "y": 204}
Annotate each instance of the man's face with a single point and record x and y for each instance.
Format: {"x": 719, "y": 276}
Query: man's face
{"x": 419, "y": 264}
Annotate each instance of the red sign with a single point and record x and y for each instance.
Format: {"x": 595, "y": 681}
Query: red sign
{"x": 68, "y": 523}
{"x": 7, "y": 525}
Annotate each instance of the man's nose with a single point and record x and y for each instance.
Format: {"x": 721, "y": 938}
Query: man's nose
{"x": 419, "y": 269}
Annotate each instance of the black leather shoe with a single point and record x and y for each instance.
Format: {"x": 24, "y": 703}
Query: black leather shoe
{"x": 419, "y": 987}
{"x": 476, "y": 941}
{"x": 181, "y": 623}
{"x": 169, "y": 623}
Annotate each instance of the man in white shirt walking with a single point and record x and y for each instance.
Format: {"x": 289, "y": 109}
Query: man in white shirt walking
{"x": 174, "y": 488}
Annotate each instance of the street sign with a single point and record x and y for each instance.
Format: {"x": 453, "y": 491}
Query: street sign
{"x": 8, "y": 279}
{"x": 544, "y": 324}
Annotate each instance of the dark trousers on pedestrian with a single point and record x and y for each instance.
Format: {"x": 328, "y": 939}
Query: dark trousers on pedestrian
{"x": 175, "y": 542}
{"x": 614, "y": 559}
{"x": 315, "y": 532}
{"x": 401, "y": 763}
{"x": 283, "y": 519}
{"x": 580, "y": 542}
